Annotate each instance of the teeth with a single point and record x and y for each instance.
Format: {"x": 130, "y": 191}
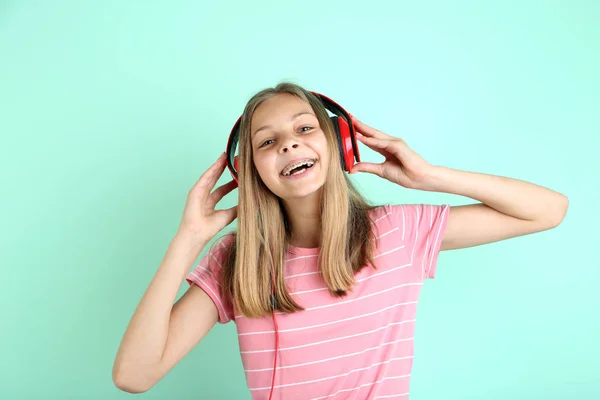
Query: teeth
{"x": 308, "y": 163}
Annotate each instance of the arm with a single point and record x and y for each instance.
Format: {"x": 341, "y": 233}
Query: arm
{"x": 508, "y": 207}
{"x": 160, "y": 334}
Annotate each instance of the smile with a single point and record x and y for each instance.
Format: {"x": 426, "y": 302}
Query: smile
{"x": 300, "y": 171}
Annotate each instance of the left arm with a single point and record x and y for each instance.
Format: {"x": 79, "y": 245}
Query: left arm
{"x": 508, "y": 207}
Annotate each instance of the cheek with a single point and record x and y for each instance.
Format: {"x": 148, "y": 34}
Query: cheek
{"x": 324, "y": 150}
{"x": 264, "y": 166}
{"x": 260, "y": 169}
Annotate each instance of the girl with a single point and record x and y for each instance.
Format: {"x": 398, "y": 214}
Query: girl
{"x": 322, "y": 285}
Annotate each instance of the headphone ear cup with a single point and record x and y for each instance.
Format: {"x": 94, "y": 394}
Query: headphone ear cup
{"x": 342, "y": 130}
{"x": 338, "y": 137}
{"x": 233, "y": 170}
{"x": 232, "y": 161}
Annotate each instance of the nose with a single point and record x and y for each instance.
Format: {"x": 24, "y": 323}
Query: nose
{"x": 288, "y": 144}
{"x": 285, "y": 148}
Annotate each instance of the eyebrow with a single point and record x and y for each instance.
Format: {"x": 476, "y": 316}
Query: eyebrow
{"x": 291, "y": 119}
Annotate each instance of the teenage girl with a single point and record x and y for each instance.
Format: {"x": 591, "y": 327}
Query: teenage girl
{"x": 322, "y": 286}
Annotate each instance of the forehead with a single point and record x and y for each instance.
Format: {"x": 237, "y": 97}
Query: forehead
{"x": 278, "y": 109}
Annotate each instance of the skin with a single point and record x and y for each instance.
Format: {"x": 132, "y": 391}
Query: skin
{"x": 160, "y": 334}
{"x": 287, "y": 138}
{"x": 505, "y": 207}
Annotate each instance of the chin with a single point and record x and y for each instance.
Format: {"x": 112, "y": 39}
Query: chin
{"x": 302, "y": 190}
{"x": 300, "y": 194}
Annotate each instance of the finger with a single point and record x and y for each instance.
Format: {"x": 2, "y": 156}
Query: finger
{"x": 383, "y": 146}
{"x": 228, "y": 214}
{"x": 376, "y": 169}
{"x": 233, "y": 212}
{"x": 369, "y": 131}
{"x": 365, "y": 140}
{"x": 210, "y": 177}
{"x": 211, "y": 170}
{"x": 221, "y": 192}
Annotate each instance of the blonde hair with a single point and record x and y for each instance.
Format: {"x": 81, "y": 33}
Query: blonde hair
{"x": 263, "y": 232}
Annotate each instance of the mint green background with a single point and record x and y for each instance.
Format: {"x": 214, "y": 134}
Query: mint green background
{"x": 111, "y": 110}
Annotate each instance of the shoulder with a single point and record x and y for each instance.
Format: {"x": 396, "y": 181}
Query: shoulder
{"x": 416, "y": 229}
{"x": 389, "y": 212}
{"x": 414, "y": 212}
{"x": 410, "y": 217}
{"x": 224, "y": 243}
{"x": 227, "y": 240}
{"x": 216, "y": 255}
{"x": 381, "y": 212}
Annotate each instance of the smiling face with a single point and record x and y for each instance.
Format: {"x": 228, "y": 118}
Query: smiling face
{"x": 284, "y": 131}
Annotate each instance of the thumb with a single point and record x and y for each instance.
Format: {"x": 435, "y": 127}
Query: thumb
{"x": 367, "y": 167}
{"x": 229, "y": 214}
{"x": 233, "y": 212}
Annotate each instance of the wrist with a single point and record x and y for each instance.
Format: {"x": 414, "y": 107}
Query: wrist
{"x": 192, "y": 240}
{"x": 433, "y": 179}
{"x": 445, "y": 180}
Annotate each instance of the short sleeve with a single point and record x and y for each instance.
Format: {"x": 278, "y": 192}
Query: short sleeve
{"x": 208, "y": 276}
{"x": 423, "y": 227}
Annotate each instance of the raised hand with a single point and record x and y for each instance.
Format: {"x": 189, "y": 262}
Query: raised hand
{"x": 200, "y": 218}
{"x": 402, "y": 165}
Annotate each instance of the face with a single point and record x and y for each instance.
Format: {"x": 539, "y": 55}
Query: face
{"x": 285, "y": 129}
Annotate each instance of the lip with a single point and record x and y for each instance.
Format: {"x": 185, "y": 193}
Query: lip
{"x": 294, "y": 161}
{"x": 302, "y": 175}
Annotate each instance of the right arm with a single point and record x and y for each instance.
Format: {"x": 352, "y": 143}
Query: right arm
{"x": 161, "y": 333}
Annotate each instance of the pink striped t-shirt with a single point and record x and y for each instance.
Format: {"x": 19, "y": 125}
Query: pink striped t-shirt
{"x": 356, "y": 347}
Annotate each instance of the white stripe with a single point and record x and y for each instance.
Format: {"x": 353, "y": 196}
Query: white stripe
{"x": 305, "y": 273}
{"x": 301, "y": 257}
{"x": 403, "y": 221}
{"x": 391, "y": 395}
{"x": 328, "y": 377}
{"x": 240, "y": 316}
{"x": 382, "y": 217}
{"x": 388, "y": 252}
{"x": 331, "y": 358}
{"x": 363, "y": 385}
{"x": 330, "y": 322}
{"x": 316, "y": 255}
{"x": 388, "y": 232}
{"x": 319, "y": 272}
{"x": 426, "y": 252}
{"x": 362, "y": 297}
{"x": 333, "y": 340}
{"x": 207, "y": 270}
{"x": 358, "y": 280}
{"x": 416, "y": 239}
{"x": 216, "y": 296}
{"x": 212, "y": 255}
{"x": 437, "y": 237}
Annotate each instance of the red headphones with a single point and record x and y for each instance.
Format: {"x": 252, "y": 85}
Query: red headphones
{"x": 344, "y": 130}
{"x": 347, "y": 146}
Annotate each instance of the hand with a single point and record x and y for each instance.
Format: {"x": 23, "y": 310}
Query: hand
{"x": 402, "y": 165}
{"x": 200, "y": 218}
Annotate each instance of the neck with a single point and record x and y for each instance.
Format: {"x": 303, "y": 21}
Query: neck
{"x": 304, "y": 216}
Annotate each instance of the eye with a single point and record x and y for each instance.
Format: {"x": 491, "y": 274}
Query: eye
{"x": 301, "y": 130}
{"x": 263, "y": 144}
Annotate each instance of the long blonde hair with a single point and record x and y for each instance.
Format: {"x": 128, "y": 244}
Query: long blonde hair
{"x": 263, "y": 232}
